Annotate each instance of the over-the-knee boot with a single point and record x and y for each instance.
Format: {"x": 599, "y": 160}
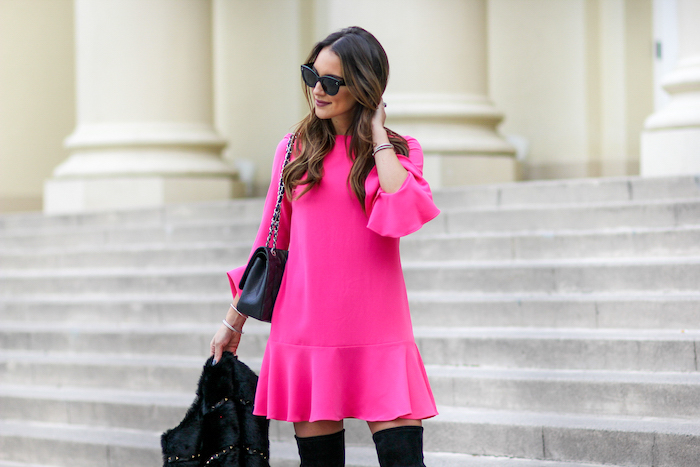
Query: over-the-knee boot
{"x": 400, "y": 447}
{"x": 322, "y": 451}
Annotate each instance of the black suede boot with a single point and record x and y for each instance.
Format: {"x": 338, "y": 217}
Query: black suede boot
{"x": 400, "y": 447}
{"x": 322, "y": 451}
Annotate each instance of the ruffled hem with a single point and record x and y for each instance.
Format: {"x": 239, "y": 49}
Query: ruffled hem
{"x": 373, "y": 383}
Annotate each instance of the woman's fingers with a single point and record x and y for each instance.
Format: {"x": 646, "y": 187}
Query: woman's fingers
{"x": 380, "y": 114}
{"x": 224, "y": 339}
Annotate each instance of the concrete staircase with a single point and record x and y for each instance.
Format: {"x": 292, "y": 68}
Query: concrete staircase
{"x": 559, "y": 322}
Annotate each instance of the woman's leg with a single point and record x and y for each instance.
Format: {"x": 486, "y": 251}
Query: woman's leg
{"x": 379, "y": 426}
{"x": 321, "y": 444}
{"x": 399, "y": 442}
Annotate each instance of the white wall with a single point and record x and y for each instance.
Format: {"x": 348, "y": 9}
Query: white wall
{"x": 258, "y": 95}
{"x": 573, "y": 78}
{"x": 37, "y": 96}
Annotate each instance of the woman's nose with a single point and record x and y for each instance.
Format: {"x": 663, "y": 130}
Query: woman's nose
{"x": 318, "y": 89}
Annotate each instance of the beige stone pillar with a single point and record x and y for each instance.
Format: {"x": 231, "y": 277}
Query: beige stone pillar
{"x": 671, "y": 140}
{"x": 144, "y": 134}
{"x": 438, "y": 88}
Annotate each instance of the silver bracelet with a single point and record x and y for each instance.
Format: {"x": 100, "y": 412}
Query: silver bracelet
{"x": 231, "y": 327}
{"x": 239, "y": 313}
{"x": 382, "y": 147}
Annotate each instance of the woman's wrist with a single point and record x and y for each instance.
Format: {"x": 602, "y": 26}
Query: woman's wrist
{"x": 232, "y": 328}
{"x": 235, "y": 309}
{"x": 235, "y": 317}
{"x": 382, "y": 147}
{"x": 379, "y": 135}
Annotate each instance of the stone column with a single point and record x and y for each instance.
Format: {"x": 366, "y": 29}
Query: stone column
{"x": 438, "y": 88}
{"x": 144, "y": 134}
{"x": 671, "y": 140}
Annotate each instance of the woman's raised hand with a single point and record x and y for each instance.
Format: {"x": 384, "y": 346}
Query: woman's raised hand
{"x": 379, "y": 116}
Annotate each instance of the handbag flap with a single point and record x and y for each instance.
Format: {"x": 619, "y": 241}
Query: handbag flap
{"x": 258, "y": 254}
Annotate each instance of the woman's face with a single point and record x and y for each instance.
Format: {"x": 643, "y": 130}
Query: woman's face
{"x": 338, "y": 108}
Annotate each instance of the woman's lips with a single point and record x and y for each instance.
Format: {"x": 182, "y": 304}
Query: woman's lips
{"x": 321, "y": 103}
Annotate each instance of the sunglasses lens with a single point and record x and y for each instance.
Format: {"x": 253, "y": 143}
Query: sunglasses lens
{"x": 330, "y": 85}
{"x": 309, "y": 77}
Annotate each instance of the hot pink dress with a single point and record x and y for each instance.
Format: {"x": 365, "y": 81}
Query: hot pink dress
{"x": 341, "y": 342}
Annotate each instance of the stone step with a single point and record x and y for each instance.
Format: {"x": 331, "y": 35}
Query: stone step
{"x": 117, "y": 408}
{"x": 555, "y": 437}
{"x": 134, "y": 339}
{"x": 165, "y": 373}
{"x": 632, "y": 441}
{"x": 285, "y": 455}
{"x": 573, "y": 191}
{"x": 644, "y": 394}
{"x": 550, "y": 348}
{"x": 550, "y": 276}
{"x": 547, "y": 276}
{"x": 546, "y": 348}
{"x": 575, "y": 349}
{"x": 71, "y": 446}
{"x": 562, "y": 437}
{"x": 640, "y": 310}
{"x": 534, "y": 218}
{"x": 624, "y": 393}
{"x": 22, "y": 464}
{"x": 578, "y": 298}
{"x": 172, "y": 214}
{"x": 640, "y": 243}
{"x": 202, "y": 280}
{"x": 123, "y": 309}
{"x": 214, "y": 231}
{"x": 541, "y": 218}
{"x": 358, "y": 439}
{"x": 78, "y": 446}
{"x": 125, "y": 256}
{"x": 570, "y": 191}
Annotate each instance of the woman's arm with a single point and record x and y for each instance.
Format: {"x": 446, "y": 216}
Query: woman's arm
{"x": 235, "y": 275}
{"x": 390, "y": 171}
{"x": 225, "y": 338}
{"x": 397, "y": 202}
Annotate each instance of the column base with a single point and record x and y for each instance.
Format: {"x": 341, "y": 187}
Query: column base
{"x": 76, "y": 195}
{"x": 673, "y": 151}
{"x": 458, "y": 135}
{"x": 456, "y": 170}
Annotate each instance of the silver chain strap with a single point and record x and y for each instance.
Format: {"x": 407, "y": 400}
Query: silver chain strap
{"x": 275, "y": 222}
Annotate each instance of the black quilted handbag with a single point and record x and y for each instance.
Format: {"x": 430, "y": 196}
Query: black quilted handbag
{"x": 261, "y": 280}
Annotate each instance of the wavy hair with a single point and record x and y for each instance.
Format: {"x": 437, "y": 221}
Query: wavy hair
{"x": 366, "y": 73}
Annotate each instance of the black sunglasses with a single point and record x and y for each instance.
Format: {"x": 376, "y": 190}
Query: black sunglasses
{"x": 330, "y": 85}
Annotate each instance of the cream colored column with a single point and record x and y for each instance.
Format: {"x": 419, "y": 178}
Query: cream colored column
{"x": 438, "y": 91}
{"x": 144, "y": 134}
{"x": 257, "y": 83}
{"x": 671, "y": 140}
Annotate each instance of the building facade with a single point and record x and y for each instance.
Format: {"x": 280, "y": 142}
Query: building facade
{"x": 108, "y": 104}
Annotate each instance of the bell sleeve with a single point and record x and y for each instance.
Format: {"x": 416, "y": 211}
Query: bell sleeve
{"x": 404, "y": 212}
{"x": 235, "y": 275}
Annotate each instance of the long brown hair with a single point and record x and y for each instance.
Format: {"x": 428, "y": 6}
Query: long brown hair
{"x": 366, "y": 73}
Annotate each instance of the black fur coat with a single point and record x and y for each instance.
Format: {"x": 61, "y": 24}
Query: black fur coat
{"x": 219, "y": 429}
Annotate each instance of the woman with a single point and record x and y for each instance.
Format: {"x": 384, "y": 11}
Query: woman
{"x": 341, "y": 343}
